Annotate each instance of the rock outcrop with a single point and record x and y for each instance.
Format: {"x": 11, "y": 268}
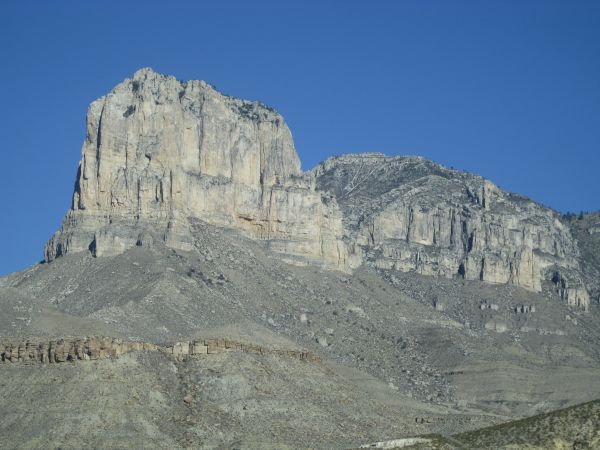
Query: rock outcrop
{"x": 38, "y": 350}
{"x": 410, "y": 214}
{"x": 160, "y": 154}
{"x": 159, "y": 151}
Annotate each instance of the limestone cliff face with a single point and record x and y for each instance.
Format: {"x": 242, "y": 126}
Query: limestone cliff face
{"x": 410, "y": 214}
{"x": 159, "y": 152}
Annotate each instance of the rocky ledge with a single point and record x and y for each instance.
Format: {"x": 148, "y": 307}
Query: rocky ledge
{"x": 38, "y": 350}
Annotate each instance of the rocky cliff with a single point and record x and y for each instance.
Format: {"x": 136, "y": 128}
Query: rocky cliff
{"x": 160, "y": 154}
{"x": 159, "y": 151}
{"x": 410, "y": 214}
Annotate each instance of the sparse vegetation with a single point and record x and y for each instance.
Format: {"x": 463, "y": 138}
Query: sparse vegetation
{"x": 577, "y": 427}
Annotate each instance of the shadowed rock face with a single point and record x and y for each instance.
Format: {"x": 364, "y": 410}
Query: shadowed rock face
{"x": 586, "y": 229}
{"x": 161, "y": 153}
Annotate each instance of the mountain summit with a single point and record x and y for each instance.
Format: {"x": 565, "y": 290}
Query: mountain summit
{"x": 204, "y": 292}
{"x": 160, "y": 153}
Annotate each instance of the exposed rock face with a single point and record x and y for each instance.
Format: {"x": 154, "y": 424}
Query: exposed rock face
{"x": 586, "y": 229}
{"x": 67, "y": 349}
{"x": 410, "y": 214}
{"x": 159, "y": 151}
{"x": 160, "y": 154}
{"x": 96, "y": 347}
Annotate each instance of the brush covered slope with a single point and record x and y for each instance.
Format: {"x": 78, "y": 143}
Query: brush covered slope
{"x": 576, "y": 427}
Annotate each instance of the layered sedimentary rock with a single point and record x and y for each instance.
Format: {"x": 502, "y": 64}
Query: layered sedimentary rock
{"x": 159, "y": 151}
{"x": 410, "y": 214}
{"x": 67, "y": 349}
{"x": 87, "y": 348}
{"x": 160, "y": 154}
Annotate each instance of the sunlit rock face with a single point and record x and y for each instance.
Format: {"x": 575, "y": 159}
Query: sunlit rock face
{"x": 410, "y": 214}
{"x": 159, "y": 151}
{"x": 160, "y": 155}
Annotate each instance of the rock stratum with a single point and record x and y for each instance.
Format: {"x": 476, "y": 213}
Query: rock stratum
{"x": 161, "y": 153}
{"x": 89, "y": 348}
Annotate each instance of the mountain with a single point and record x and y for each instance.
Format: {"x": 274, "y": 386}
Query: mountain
{"x": 369, "y": 299}
{"x": 159, "y": 152}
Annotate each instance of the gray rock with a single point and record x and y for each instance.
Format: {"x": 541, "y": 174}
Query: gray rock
{"x": 413, "y": 215}
{"x": 322, "y": 341}
{"x": 160, "y": 153}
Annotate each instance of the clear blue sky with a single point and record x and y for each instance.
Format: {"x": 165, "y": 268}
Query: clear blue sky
{"x": 507, "y": 89}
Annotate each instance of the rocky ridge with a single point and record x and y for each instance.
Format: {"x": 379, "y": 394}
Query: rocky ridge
{"x": 413, "y": 215}
{"x": 160, "y": 153}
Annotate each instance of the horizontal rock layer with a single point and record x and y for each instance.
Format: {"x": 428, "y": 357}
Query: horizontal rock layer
{"x": 94, "y": 347}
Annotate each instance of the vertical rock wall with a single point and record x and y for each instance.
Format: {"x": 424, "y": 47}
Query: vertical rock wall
{"x": 159, "y": 151}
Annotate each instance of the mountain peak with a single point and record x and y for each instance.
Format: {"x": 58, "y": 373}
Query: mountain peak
{"x": 145, "y": 72}
{"x": 160, "y": 154}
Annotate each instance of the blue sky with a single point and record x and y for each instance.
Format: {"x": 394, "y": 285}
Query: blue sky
{"x": 507, "y": 89}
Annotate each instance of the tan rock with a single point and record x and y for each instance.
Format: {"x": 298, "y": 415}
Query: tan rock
{"x": 159, "y": 151}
